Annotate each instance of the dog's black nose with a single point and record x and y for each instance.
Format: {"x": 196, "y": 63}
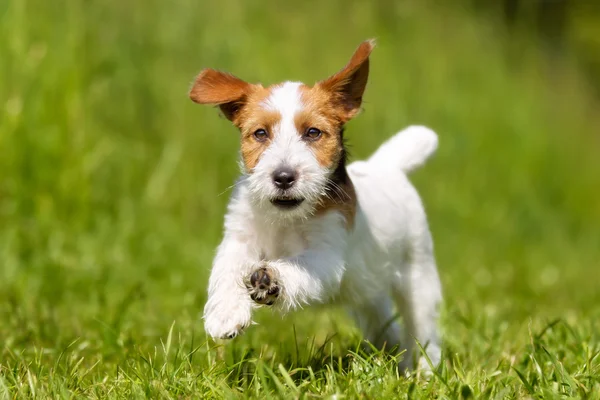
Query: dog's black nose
{"x": 284, "y": 178}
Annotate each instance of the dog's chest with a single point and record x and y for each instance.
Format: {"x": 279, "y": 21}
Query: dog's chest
{"x": 281, "y": 242}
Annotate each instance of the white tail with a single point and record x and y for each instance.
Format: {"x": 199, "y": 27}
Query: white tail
{"x": 406, "y": 150}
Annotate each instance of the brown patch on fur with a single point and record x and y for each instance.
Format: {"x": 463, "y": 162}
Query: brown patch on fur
{"x": 340, "y": 197}
{"x": 319, "y": 112}
{"x": 251, "y": 148}
{"x": 251, "y": 117}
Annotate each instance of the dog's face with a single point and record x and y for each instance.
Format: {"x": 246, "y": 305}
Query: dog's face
{"x": 291, "y": 134}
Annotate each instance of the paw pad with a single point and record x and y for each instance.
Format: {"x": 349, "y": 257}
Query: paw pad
{"x": 262, "y": 287}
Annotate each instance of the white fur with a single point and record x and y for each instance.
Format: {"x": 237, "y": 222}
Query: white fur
{"x": 383, "y": 266}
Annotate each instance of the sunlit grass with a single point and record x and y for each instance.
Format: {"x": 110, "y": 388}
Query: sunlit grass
{"x": 113, "y": 187}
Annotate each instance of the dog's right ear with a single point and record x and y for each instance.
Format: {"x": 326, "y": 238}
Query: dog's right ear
{"x": 222, "y": 89}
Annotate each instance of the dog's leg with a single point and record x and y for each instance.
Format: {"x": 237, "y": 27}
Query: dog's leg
{"x": 418, "y": 294}
{"x": 312, "y": 276}
{"x": 228, "y": 310}
{"x": 378, "y": 322}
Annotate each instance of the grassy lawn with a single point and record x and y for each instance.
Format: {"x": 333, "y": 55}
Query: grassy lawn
{"x": 113, "y": 187}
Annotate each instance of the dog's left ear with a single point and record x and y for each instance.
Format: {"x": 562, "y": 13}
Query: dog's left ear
{"x": 222, "y": 89}
{"x": 348, "y": 85}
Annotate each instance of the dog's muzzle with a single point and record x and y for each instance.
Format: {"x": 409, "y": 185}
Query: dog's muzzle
{"x": 284, "y": 179}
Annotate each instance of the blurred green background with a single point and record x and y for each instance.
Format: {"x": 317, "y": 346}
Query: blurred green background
{"x": 113, "y": 185}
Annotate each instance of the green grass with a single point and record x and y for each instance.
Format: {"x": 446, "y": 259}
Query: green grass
{"x": 112, "y": 197}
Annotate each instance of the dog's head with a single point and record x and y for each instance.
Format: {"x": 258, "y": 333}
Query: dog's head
{"x": 291, "y": 134}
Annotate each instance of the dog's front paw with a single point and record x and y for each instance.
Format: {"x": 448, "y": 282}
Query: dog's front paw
{"x": 222, "y": 322}
{"x": 263, "y": 287}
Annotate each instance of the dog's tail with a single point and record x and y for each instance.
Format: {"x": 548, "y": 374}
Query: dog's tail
{"x": 407, "y": 150}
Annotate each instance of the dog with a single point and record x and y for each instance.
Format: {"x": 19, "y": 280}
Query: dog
{"x": 302, "y": 227}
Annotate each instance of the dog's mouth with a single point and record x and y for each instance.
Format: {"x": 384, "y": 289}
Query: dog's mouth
{"x": 286, "y": 202}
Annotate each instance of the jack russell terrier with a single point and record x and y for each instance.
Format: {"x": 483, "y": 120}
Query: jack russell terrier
{"x": 304, "y": 227}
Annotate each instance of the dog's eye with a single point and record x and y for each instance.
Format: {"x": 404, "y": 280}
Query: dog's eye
{"x": 261, "y": 135}
{"x": 312, "y": 134}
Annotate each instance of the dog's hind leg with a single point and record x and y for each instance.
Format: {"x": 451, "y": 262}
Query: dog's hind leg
{"x": 378, "y": 321}
{"x": 417, "y": 291}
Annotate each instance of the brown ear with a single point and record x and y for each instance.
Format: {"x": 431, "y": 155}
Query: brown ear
{"x": 348, "y": 85}
{"x": 220, "y": 88}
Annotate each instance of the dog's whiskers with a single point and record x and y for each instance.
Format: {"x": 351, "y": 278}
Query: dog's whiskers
{"x": 236, "y": 183}
{"x": 337, "y": 190}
